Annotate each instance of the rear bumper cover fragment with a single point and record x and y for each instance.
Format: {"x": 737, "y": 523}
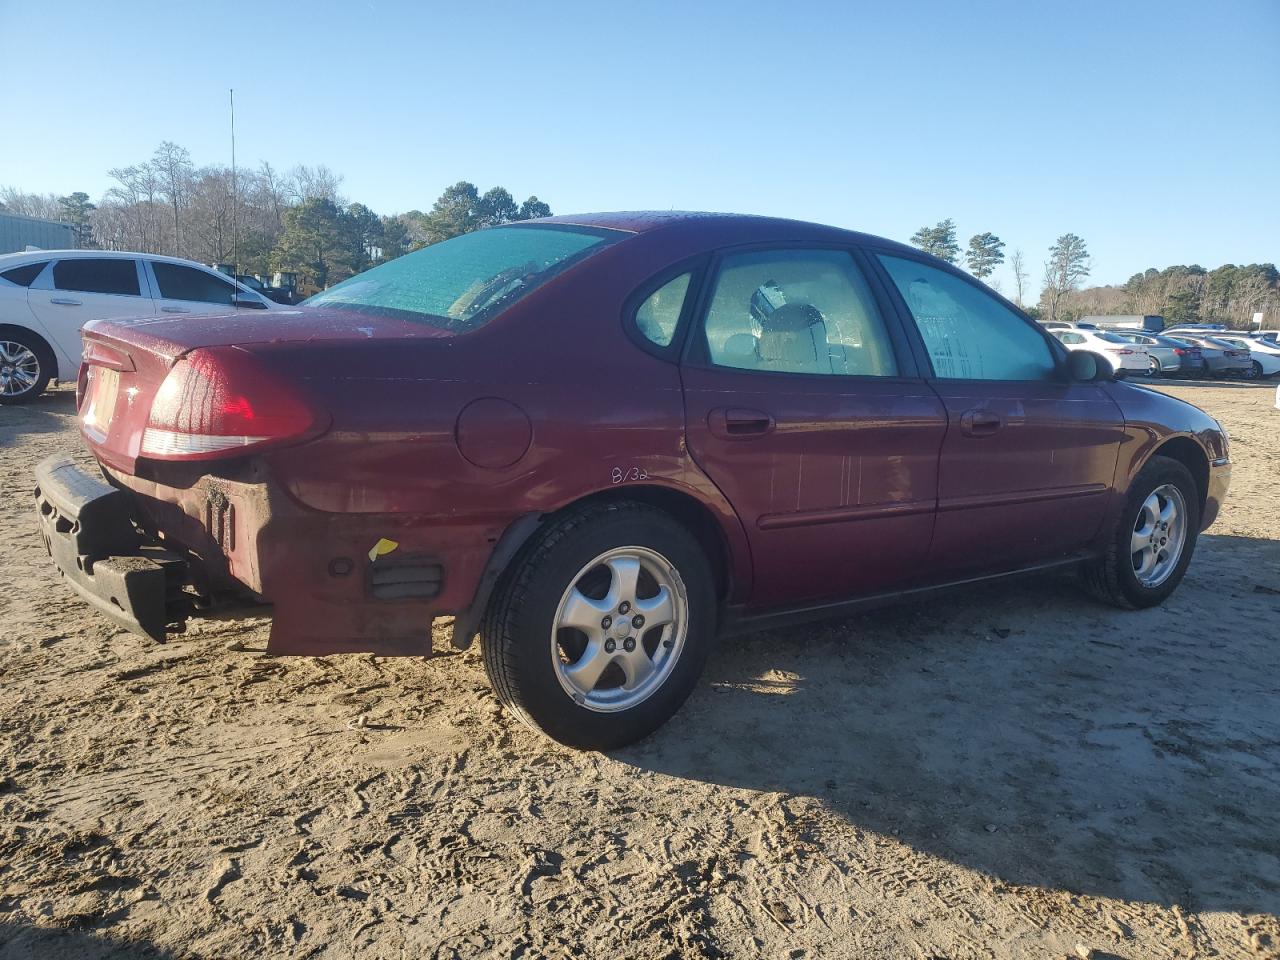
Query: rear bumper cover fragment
{"x": 89, "y": 533}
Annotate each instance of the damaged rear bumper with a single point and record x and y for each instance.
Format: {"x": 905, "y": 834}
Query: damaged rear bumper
{"x": 149, "y": 555}
{"x": 94, "y": 544}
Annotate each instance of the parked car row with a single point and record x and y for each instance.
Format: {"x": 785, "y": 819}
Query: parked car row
{"x": 1189, "y": 350}
{"x": 1122, "y": 357}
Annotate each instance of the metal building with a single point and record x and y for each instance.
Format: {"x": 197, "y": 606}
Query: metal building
{"x": 18, "y": 232}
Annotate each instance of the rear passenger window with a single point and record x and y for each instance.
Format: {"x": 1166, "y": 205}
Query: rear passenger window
{"x": 24, "y": 274}
{"x": 657, "y": 317}
{"x": 186, "y": 283}
{"x": 969, "y": 334}
{"x": 97, "y": 276}
{"x": 797, "y": 311}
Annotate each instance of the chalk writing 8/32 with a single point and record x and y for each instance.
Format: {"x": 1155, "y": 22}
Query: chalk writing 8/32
{"x": 623, "y": 474}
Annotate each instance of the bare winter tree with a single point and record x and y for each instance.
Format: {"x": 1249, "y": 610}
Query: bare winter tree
{"x": 137, "y": 193}
{"x": 42, "y": 205}
{"x": 173, "y": 172}
{"x": 316, "y": 183}
{"x": 269, "y": 192}
{"x": 209, "y": 236}
{"x": 1019, "y": 274}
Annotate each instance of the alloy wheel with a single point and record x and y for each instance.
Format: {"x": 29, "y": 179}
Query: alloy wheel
{"x": 619, "y": 629}
{"x": 1159, "y": 535}
{"x": 19, "y": 368}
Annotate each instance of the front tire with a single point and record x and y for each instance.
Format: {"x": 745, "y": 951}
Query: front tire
{"x": 1153, "y": 540}
{"x": 26, "y": 367}
{"x": 600, "y": 629}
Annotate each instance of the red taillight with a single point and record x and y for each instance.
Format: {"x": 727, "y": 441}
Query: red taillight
{"x": 221, "y": 400}
{"x": 1179, "y": 351}
{"x": 1121, "y": 351}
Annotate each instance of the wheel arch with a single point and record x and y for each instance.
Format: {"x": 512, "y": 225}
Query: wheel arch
{"x": 49, "y": 356}
{"x": 690, "y": 511}
{"x": 725, "y": 558}
{"x": 42, "y": 341}
{"x": 1191, "y": 455}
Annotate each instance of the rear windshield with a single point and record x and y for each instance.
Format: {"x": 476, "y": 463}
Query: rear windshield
{"x": 1112, "y": 338}
{"x": 460, "y": 284}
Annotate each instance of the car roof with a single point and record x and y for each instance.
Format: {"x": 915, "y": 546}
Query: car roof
{"x": 694, "y": 223}
{"x": 29, "y": 256}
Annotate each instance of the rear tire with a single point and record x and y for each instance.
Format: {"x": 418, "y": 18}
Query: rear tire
{"x": 604, "y": 566}
{"x": 1255, "y": 371}
{"x": 1118, "y": 577}
{"x": 1154, "y": 370}
{"x": 26, "y": 366}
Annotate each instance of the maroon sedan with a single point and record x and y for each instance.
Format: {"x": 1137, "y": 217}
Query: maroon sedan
{"x": 599, "y": 441}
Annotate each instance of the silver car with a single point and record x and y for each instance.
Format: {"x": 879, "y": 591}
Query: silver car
{"x": 1163, "y": 357}
{"x": 1223, "y": 359}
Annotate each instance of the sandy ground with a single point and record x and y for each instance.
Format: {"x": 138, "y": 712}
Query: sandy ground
{"x": 1018, "y": 772}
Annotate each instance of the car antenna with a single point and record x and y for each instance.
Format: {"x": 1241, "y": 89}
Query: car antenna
{"x": 235, "y": 187}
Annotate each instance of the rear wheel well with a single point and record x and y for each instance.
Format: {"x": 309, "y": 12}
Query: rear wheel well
{"x": 1190, "y": 454}
{"x": 685, "y": 509}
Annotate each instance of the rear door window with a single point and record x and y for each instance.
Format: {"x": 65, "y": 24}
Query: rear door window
{"x": 797, "y": 311}
{"x": 112, "y": 276}
{"x": 177, "y": 282}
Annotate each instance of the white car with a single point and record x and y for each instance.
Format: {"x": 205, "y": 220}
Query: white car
{"x": 1123, "y": 357}
{"x": 1265, "y": 354}
{"x": 46, "y": 296}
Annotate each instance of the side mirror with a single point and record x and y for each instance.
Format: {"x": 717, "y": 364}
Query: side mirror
{"x": 1084, "y": 367}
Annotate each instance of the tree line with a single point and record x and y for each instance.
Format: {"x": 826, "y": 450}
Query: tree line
{"x": 1229, "y": 294}
{"x": 263, "y": 220}
{"x": 266, "y": 220}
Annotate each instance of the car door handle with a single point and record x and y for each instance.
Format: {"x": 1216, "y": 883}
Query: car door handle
{"x": 736, "y": 423}
{"x": 64, "y": 301}
{"x": 174, "y": 310}
{"x": 980, "y": 423}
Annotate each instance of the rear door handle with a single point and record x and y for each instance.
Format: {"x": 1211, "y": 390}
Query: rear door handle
{"x": 980, "y": 423}
{"x": 64, "y": 301}
{"x": 737, "y": 423}
{"x": 175, "y": 310}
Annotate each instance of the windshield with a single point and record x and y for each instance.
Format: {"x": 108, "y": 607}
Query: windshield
{"x": 460, "y": 284}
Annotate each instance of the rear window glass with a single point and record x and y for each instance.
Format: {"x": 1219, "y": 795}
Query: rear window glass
{"x": 460, "y": 284}
{"x": 97, "y": 276}
{"x": 24, "y": 274}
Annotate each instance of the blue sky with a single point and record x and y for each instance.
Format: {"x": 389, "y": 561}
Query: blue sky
{"x": 1149, "y": 128}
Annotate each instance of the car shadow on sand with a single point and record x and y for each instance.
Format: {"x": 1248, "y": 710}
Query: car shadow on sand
{"x": 1025, "y": 731}
{"x": 20, "y": 940}
{"x": 47, "y": 413}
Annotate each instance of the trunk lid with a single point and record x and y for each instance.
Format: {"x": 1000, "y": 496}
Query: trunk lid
{"x": 126, "y": 361}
